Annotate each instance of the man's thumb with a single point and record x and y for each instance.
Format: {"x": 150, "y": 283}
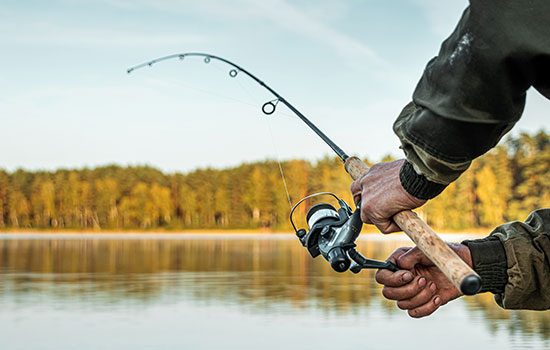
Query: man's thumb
{"x": 412, "y": 258}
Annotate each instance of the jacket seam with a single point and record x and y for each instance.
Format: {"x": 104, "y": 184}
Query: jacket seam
{"x": 417, "y": 141}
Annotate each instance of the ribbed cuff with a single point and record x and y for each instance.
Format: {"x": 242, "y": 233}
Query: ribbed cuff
{"x": 418, "y": 185}
{"x": 489, "y": 261}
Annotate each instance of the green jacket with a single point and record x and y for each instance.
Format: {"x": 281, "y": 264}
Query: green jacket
{"x": 468, "y": 98}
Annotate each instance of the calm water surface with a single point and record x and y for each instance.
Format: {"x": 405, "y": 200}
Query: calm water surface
{"x": 223, "y": 292}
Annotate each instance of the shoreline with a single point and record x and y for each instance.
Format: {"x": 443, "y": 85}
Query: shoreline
{"x": 366, "y": 231}
{"x": 454, "y": 237}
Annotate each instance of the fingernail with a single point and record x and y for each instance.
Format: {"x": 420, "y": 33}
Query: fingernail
{"x": 437, "y": 300}
{"x": 421, "y": 281}
{"x": 433, "y": 287}
{"x": 407, "y": 276}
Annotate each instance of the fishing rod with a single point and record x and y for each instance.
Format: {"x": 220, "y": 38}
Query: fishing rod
{"x": 268, "y": 108}
{"x": 333, "y": 232}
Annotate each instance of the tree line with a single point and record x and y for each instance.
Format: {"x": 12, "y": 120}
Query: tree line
{"x": 505, "y": 184}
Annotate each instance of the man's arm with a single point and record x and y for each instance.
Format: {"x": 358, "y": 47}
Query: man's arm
{"x": 513, "y": 262}
{"x": 469, "y": 97}
{"x": 474, "y": 91}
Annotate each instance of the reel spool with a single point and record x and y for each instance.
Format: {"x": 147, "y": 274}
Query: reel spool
{"x": 332, "y": 234}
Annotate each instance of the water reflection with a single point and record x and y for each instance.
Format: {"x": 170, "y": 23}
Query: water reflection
{"x": 238, "y": 270}
{"x": 260, "y": 274}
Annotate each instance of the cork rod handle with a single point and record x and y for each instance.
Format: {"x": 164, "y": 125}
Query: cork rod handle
{"x": 457, "y": 271}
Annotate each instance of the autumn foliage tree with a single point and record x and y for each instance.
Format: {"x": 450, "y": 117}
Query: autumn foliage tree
{"x": 505, "y": 184}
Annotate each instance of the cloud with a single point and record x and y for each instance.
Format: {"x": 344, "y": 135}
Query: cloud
{"x": 57, "y": 34}
{"x": 281, "y": 13}
{"x": 293, "y": 19}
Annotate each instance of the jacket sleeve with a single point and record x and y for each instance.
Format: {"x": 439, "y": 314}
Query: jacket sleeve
{"x": 468, "y": 98}
{"x": 474, "y": 91}
{"x": 514, "y": 262}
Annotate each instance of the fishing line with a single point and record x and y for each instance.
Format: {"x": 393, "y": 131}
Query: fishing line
{"x": 279, "y": 161}
{"x": 273, "y": 140}
{"x": 212, "y": 93}
{"x": 230, "y": 98}
{"x": 253, "y": 98}
{"x": 233, "y": 74}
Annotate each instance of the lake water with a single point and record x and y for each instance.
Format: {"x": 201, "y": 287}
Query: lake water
{"x": 224, "y": 292}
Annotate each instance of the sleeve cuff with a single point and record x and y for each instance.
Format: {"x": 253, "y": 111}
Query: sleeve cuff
{"x": 489, "y": 261}
{"x": 418, "y": 185}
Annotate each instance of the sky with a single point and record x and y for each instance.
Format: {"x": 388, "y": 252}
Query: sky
{"x": 66, "y": 100}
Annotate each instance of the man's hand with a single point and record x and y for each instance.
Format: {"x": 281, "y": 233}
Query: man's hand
{"x": 421, "y": 288}
{"x": 382, "y": 196}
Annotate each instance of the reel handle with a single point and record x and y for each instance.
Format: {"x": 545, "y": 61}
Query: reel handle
{"x": 464, "y": 278}
{"x": 338, "y": 259}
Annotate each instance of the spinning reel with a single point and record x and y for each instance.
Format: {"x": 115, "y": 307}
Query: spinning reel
{"x": 332, "y": 234}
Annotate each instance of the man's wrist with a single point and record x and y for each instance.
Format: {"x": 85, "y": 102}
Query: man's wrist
{"x": 418, "y": 185}
{"x": 489, "y": 261}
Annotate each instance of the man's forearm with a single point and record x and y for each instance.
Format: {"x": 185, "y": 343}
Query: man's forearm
{"x": 489, "y": 261}
{"x": 439, "y": 149}
{"x": 514, "y": 262}
{"x": 468, "y": 98}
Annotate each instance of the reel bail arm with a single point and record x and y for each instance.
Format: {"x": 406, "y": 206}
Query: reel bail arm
{"x": 332, "y": 234}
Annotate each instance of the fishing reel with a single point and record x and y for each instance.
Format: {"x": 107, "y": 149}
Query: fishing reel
{"x": 332, "y": 234}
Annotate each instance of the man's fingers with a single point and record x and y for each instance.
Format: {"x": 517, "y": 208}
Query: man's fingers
{"x": 407, "y": 291}
{"x": 398, "y": 278}
{"x": 397, "y": 253}
{"x": 387, "y": 227}
{"x": 426, "y": 309}
{"x": 413, "y": 257}
{"x": 356, "y": 186}
{"x": 419, "y": 299}
{"x": 365, "y": 219}
{"x": 393, "y": 279}
{"x": 356, "y": 189}
{"x": 356, "y": 198}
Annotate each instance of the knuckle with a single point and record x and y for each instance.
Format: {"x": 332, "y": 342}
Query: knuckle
{"x": 422, "y": 311}
{"x": 427, "y": 293}
{"x": 398, "y": 252}
{"x": 413, "y": 289}
{"x": 388, "y": 293}
{"x": 379, "y": 277}
{"x": 367, "y": 207}
{"x": 406, "y": 258}
{"x": 421, "y": 298}
{"x": 402, "y": 305}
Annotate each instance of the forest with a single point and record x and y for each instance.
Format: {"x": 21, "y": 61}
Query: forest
{"x": 505, "y": 184}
